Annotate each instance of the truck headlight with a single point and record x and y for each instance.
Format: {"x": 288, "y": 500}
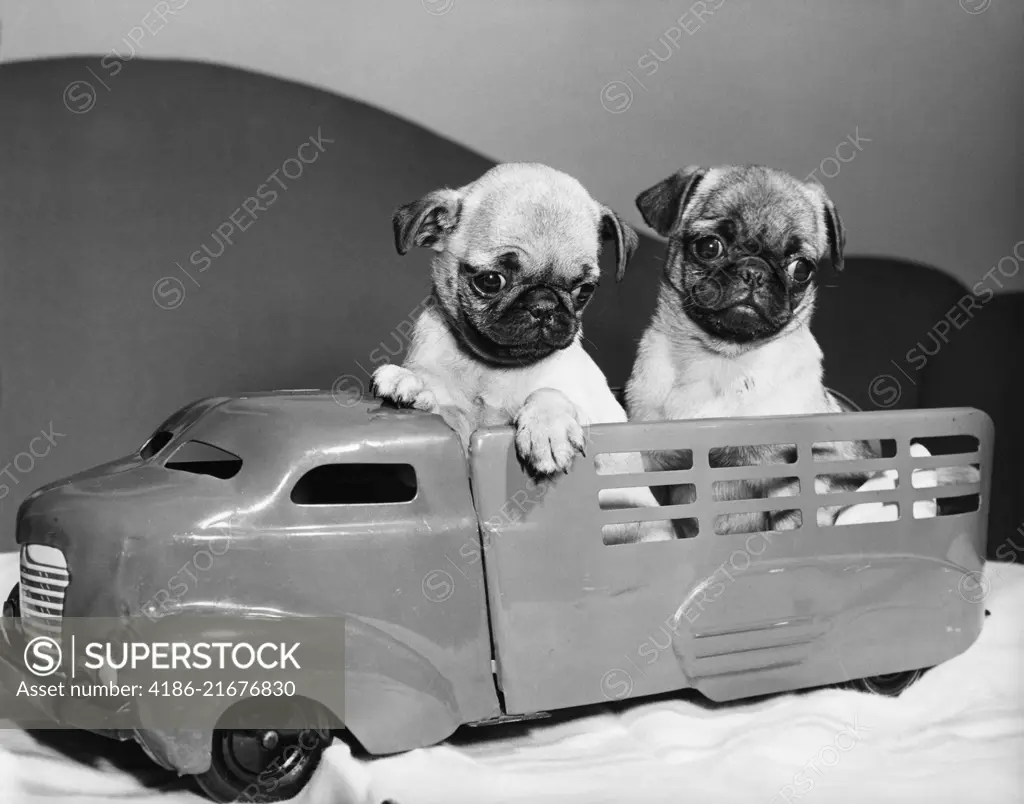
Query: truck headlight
{"x": 46, "y": 555}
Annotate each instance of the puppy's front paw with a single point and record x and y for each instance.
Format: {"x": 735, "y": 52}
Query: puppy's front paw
{"x": 548, "y": 433}
{"x": 403, "y": 387}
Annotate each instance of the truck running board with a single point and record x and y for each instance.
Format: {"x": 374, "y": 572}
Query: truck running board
{"x": 494, "y": 721}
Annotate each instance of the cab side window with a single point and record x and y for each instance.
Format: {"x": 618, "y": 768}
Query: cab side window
{"x": 356, "y": 484}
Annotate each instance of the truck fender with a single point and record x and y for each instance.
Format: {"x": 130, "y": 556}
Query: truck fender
{"x": 395, "y": 698}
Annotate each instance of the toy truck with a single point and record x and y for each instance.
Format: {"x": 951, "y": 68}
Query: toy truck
{"x": 472, "y": 594}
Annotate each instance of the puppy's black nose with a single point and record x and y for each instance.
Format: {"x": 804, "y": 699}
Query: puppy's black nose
{"x": 542, "y": 303}
{"x": 754, "y": 271}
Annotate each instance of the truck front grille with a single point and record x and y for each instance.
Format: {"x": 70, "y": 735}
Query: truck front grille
{"x": 44, "y": 581}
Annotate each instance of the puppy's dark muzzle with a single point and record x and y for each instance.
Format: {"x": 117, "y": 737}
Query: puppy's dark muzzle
{"x": 542, "y": 304}
{"x": 754, "y": 272}
{"x": 750, "y": 288}
{"x": 549, "y": 316}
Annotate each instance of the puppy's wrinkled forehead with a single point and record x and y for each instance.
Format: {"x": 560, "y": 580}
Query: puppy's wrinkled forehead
{"x": 544, "y": 213}
{"x": 768, "y": 206}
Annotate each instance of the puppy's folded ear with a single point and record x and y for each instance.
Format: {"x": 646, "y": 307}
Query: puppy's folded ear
{"x": 426, "y": 222}
{"x": 664, "y": 204}
{"x": 626, "y": 241}
{"x": 835, "y": 232}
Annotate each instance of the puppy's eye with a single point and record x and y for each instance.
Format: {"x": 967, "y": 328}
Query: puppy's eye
{"x": 583, "y": 293}
{"x": 488, "y": 282}
{"x": 801, "y": 270}
{"x": 708, "y": 247}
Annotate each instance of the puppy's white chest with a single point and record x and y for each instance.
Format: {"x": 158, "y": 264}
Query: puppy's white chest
{"x": 729, "y": 390}
{"x": 496, "y": 395}
{"x": 688, "y": 382}
{"x": 489, "y": 410}
{"x": 744, "y": 385}
{"x": 760, "y": 392}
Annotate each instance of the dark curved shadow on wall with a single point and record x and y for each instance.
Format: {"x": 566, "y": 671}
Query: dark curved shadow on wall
{"x": 120, "y": 302}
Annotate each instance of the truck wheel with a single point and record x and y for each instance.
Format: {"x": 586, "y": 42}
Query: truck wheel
{"x": 12, "y": 606}
{"x": 264, "y": 764}
{"x": 891, "y": 684}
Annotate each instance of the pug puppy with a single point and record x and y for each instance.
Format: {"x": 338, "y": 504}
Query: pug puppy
{"x": 515, "y": 264}
{"x": 731, "y": 332}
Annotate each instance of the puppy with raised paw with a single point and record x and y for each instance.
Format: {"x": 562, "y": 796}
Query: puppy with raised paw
{"x": 516, "y": 263}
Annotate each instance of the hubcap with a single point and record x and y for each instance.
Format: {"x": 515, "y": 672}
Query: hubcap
{"x": 890, "y": 683}
{"x": 249, "y": 755}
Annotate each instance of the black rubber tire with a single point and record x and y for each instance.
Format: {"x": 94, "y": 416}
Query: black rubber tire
{"x": 890, "y": 684}
{"x": 243, "y": 768}
{"x": 13, "y": 602}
